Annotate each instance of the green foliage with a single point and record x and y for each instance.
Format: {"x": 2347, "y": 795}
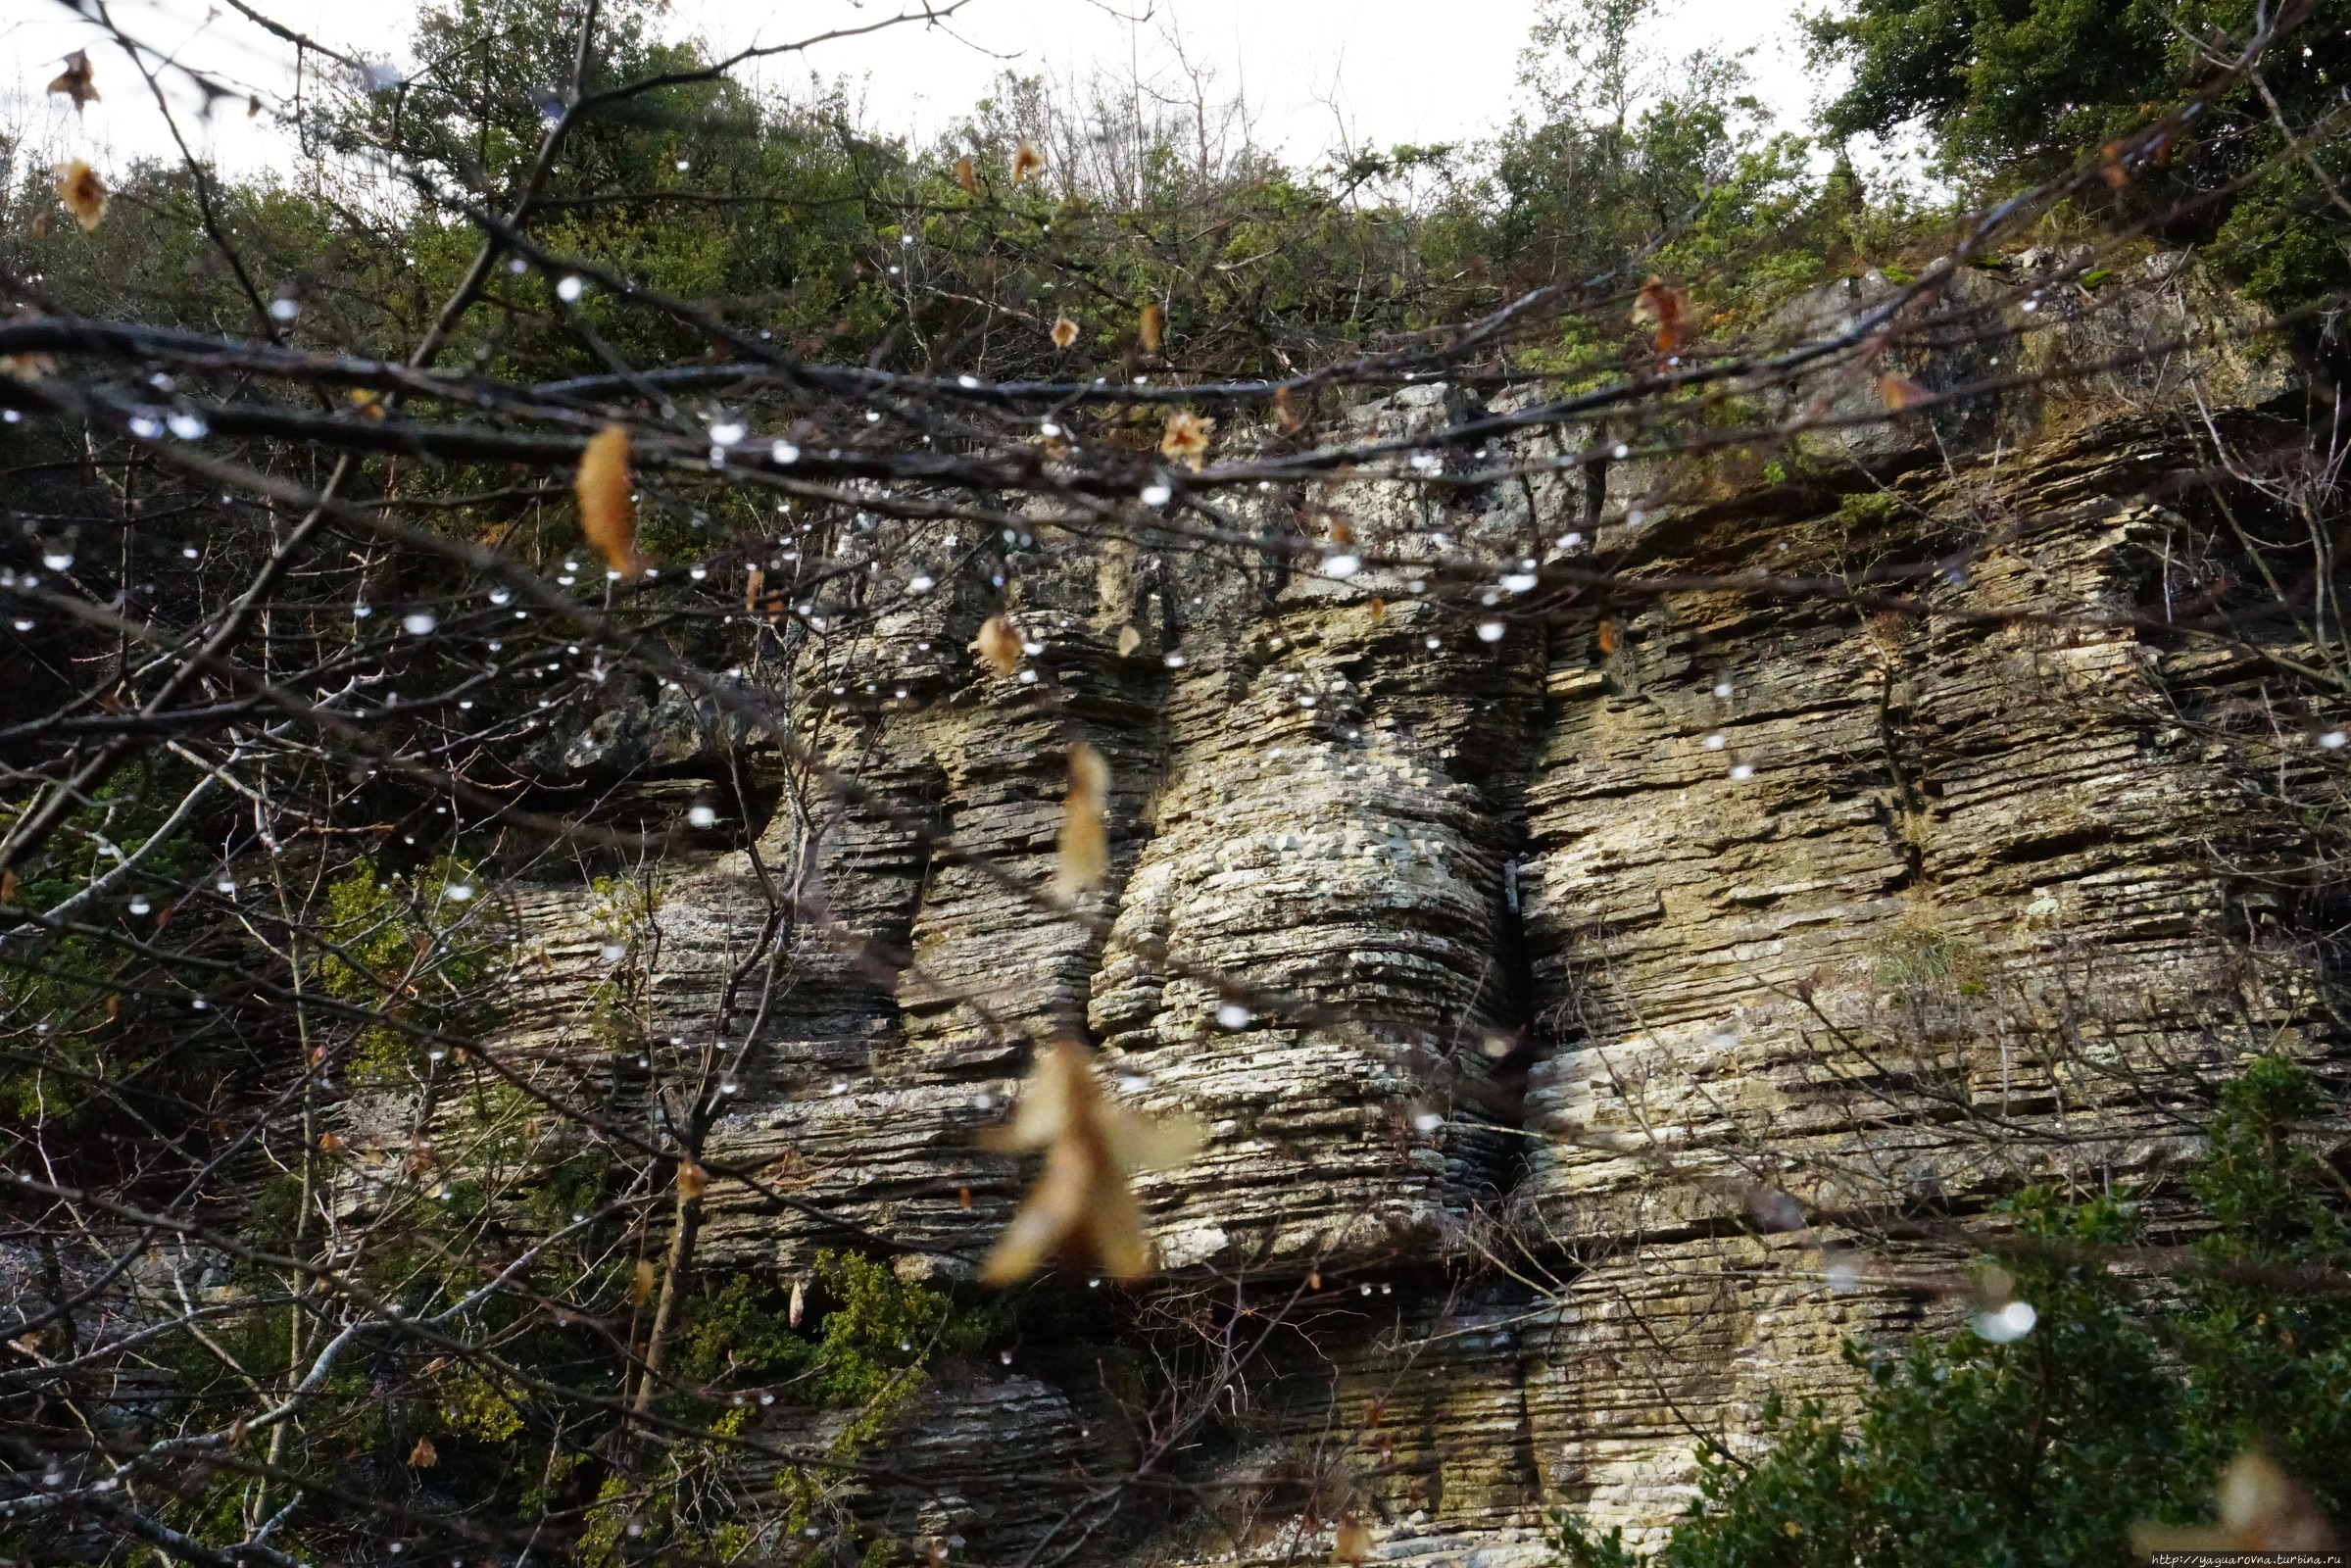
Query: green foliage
{"x": 876, "y": 1335}
{"x": 2018, "y": 89}
{"x": 2120, "y": 1406}
{"x": 407, "y": 947}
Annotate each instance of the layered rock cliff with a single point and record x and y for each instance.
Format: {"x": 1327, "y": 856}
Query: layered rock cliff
{"x": 1674, "y": 968}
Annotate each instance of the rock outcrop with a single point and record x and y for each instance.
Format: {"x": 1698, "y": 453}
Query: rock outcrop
{"x": 1600, "y": 1003}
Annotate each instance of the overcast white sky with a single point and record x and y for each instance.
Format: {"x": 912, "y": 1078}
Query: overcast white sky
{"x": 1389, "y": 71}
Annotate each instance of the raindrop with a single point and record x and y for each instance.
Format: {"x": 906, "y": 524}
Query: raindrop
{"x": 569, "y": 289}
{"x": 458, "y": 892}
{"x": 2007, "y": 1325}
{"x": 499, "y": 596}
{"x": 227, "y": 886}
{"x": 920, "y": 584}
{"x": 146, "y": 426}
{"x": 58, "y": 561}
{"x": 1489, "y": 631}
{"x": 1156, "y": 494}
{"x": 727, "y": 432}
{"x": 1173, "y": 661}
{"x": 1569, "y": 541}
{"x": 1342, "y": 565}
{"x": 784, "y": 452}
{"x": 1518, "y": 582}
{"x": 140, "y": 907}
{"x": 1428, "y": 1121}
{"x": 1621, "y": 452}
{"x": 1715, "y": 743}
{"x": 613, "y": 951}
{"x": 1233, "y": 1015}
{"x": 2333, "y": 740}
{"x": 1740, "y": 772}
{"x": 1722, "y": 688}
{"x": 419, "y": 623}
{"x": 284, "y": 310}
{"x": 731, "y": 1085}
{"x": 702, "y": 816}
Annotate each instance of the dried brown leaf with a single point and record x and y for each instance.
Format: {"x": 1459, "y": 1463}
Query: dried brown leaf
{"x": 1152, "y": 327}
{"x": 692, "y": 1180}
{"x": 1607, "y": 638}
{"x": 967, "y": 176}
{"x": 1354, "y": 1540}
{"x": 423, "y": 1457}
{"x": 1128, "y": 639}
{"x": 83, "y": 193}
{"x": 641, "y": 1286}
{"x": 1084, "y": 851}
{"x": 1081, "y": 1205}
{"x": 2262, "y": 1509}
{"x": 998, "y": 645}
{"x": 1026, "y": 161}
{"x": 1900, "y": 392}
{"x": 2111, "y": 167}
{"x": 1661, "y": 306}
{"x": 1065, "y": 331}
{"x": 1186, "y": 438}
{"x": 607, "y": 517}
{"x": 1285, "y": 412}
{"x": 76, "y": 80}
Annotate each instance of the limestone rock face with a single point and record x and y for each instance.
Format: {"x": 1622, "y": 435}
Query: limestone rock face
{"x": 1598, "y": 1008}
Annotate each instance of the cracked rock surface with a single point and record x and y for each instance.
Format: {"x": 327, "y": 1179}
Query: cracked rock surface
{"x": 1566, "y": 1009}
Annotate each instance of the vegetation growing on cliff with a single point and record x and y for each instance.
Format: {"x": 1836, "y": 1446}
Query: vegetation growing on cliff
{"x": 557, "y": 481}
{"x": 2115, "y": 1420}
